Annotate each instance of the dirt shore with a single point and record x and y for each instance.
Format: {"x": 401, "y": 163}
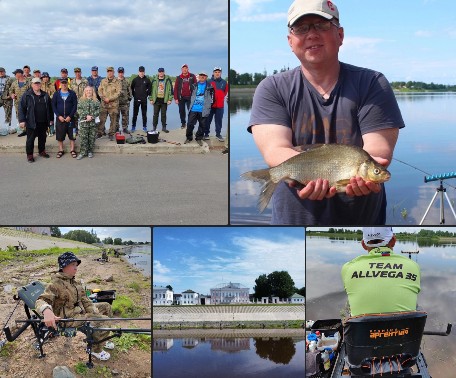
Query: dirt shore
{"x": 19, "y": 358}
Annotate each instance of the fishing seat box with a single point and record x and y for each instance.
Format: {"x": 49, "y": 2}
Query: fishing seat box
{"x": 120, "y": 139}
{"x": 327, "y": 327}
{"x": 104, "y": 296}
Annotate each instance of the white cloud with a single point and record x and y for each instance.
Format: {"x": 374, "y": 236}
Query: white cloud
{"x": 424, "y": 33}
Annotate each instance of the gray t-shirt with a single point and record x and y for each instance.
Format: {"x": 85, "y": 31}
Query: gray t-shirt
{"x": 361, "y": 102}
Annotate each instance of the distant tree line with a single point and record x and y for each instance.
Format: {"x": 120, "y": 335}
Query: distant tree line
{"x": 421, "y": 234}
{"x": 91, "y": 238}
{"x": 237, "y": 78}
{"x": 419, "y": 85}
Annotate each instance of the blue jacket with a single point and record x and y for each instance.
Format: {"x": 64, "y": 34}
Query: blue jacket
{"x": 65, "y": 108}
{"x": 208, "y": 98}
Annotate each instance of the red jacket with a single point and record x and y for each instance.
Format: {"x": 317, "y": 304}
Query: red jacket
{"x": 221, "y": 90}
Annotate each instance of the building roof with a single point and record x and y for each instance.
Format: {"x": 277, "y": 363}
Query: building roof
{"x": 296, "y": 295}
{"x": 160, "y": 288}
{"x": 189, "y": 291}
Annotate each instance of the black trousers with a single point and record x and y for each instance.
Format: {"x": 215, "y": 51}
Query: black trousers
{"x": 183, "y": 102}
{"x": 160, "y": 105}
{"x": 40, "y": 132}
{"x": 136, "y": 105}
{"x": 194, "y": 117}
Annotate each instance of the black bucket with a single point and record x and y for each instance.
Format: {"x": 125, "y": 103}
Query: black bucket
{"x": 152, "y": 137}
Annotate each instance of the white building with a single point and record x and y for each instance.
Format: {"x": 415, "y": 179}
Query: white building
{"x": 189, "y": 297}
{"x": 296, "y": 298}
{"x": 162, "y": 296}
{"x": 231, "y": 293}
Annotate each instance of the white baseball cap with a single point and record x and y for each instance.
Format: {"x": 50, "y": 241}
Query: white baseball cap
{"x": 323, "y": 8}
{"x": 382, "y": 235}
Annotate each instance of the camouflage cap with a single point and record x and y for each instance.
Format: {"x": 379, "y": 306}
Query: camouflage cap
{"x": 77, "y": 69}
{"x": 66, "y": 259}
{"x": 109, "y": 68}
{"x": 35, "y": 71}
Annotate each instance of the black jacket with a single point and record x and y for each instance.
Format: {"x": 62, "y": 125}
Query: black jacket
{"x": 27, "y": 109}
{"x": 141, "y": 88}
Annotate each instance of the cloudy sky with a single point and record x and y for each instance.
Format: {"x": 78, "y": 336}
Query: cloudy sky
{"x": 52, "y": 34}
{"x": 405, "y": 40}
{"x": 136, "y": 234}
{"x": 199, "y": 258}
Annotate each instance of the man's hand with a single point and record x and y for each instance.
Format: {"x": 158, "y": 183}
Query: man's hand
{"x": 359, "y": 187}
{"x": 22, "y": 125}
{"x": 176, "y": 101}
{"x": 50, "y": 319}
{"x": 316, "y": 190}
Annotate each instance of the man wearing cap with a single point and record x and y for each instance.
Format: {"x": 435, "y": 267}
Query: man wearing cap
{"x": 221, "y": 90}
{"x": 161, "y": 97}
{"x": 381, "y": 281}
{"x": 27, "y": 73}
{"x": 5, "y": 100}
{"x": 324, "y": 101}
{"x": 35, "y": 117}
{"x": 63, "y": 75}
{"x": 78, "y": 85}
{"x": 200, "y": 106}
{"x": 18, "y": 87}
{"x": 65, "y": 103}
{"x": 65, "y": 298}
{"x": 109, "y": 92}
{"x": 124, "y": 100}
{"x": 183, "y": 91}
{"x": 140, "y": 89}
{"x": 95, "y": 80}
{"x": 37, "y": 73}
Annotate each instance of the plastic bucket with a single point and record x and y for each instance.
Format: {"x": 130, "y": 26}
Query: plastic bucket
{"x": 152, "y": 137}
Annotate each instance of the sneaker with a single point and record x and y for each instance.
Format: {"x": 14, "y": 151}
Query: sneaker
{"x": 165, "y": 131}
{"x": 220, "y": 138}
{"x": 22, "y": 134}
{"x": 99, "y": 136}
{"x": 30, "y": 159}
{"x": 79, "y": 157}
{"x": 102, "y": 356}
{"x": 90, "y": 155}
{"x": 44, "y": 154}
{"x": 133, "y": 128}
{"x": 225, "y": 151}
{"x": 187, "y": 141}
{"x": 145, "y": 129}
{"x": 199, "y": 141}
{"x": 206, "y": 137}
{"x": 183, "y": 126}
{"x": 109, "y": 345}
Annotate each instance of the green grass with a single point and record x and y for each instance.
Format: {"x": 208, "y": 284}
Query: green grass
{"x": 130, "y": 340}
{"x": 81, "y": 368}
{"x": 135, "y": 286}
{"x": 124, "y": 307}
{"x": 30, "y": 255}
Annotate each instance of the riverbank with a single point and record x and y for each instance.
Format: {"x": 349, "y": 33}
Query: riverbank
{"x": 131, "y": 357}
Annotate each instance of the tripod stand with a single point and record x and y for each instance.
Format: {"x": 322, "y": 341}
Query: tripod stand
{"x": 442, "y": 192}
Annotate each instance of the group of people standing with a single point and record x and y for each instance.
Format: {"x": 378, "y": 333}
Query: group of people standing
{"x": 81, "y": 105}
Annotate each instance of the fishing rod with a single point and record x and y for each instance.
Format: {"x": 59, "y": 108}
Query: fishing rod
{"x": 71, "y": 320}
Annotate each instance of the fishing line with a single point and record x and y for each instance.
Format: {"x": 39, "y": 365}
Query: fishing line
{"x": 412, "y": 166}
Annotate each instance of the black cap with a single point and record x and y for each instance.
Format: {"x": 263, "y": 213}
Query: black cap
{"x": 94, "y": 68}
{"x": 18, "y": 70}
{"x": 63, "y": 81}
{"x": 161, "y": 69}
{"x": 64, "y": 70}
{"x": 121, "y": 69}
{"x": 141, "y": 69}
{"x": 66, "y": 259}
{"x": 45, "y": 74}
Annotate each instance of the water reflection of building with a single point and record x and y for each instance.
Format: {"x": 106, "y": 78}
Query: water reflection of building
{"x": 230, "y": 344}
{"x": 189, "y": 342}
{"x": 162, "y": 344}
{"x": 229, "y": 293}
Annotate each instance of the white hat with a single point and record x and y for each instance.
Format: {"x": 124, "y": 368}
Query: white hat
{"x": 384, "y": 234}
{"x": 323, "y": 8}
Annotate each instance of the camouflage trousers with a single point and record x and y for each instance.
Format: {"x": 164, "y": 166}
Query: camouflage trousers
{"x": 124, "y": 111}
{"x": 113, "y": 113}
{"x": 105, "y": 312}
{"x": 8, "y": 107}
{"x": 87, "y": 135}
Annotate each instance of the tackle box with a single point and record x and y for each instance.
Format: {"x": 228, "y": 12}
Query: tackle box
{"x": 328, "y": 327}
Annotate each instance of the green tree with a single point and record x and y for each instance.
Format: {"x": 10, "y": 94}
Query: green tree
{"x": 302, "y": 291}
{"x": 281, "y": 283}
{"x": 233, "y": 77}
{"x": 118, "y": 241}
{"x": 55, "y": 231}
{"x": 108, "y": 240}
{"x": 80, "y": 235}
{"x": 262, "y": 287}
{"x": 169, "y": 287}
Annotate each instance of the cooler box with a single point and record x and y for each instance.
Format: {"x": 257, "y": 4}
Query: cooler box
{"x": 327, "y": 327}
{"x": 152, "y": 137}
{"x": 120, "y": 139}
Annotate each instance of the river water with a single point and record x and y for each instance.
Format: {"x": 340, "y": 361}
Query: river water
{"x": 223, "y": 357}
{"x": 326, "y": 296}
{"x": 428, "y": 142}
{"x": 140, "y": 257}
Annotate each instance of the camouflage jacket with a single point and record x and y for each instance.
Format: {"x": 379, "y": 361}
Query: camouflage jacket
{"x": 110, "y": 89}
{"x": 18, "y": 91}
{"x": 125, "y": 93}
{"x": 66, "y": 298}
{"x": 48, "y": 87}
{"x": 6, "y": 93}
{"x": 79, "y": 88}
{"x": 88, "y": 107}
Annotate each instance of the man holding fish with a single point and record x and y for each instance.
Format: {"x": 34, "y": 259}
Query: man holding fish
{"x": 324, "y": 101}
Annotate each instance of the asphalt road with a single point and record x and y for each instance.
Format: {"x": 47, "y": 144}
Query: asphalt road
{"x": 110, "y": 189}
